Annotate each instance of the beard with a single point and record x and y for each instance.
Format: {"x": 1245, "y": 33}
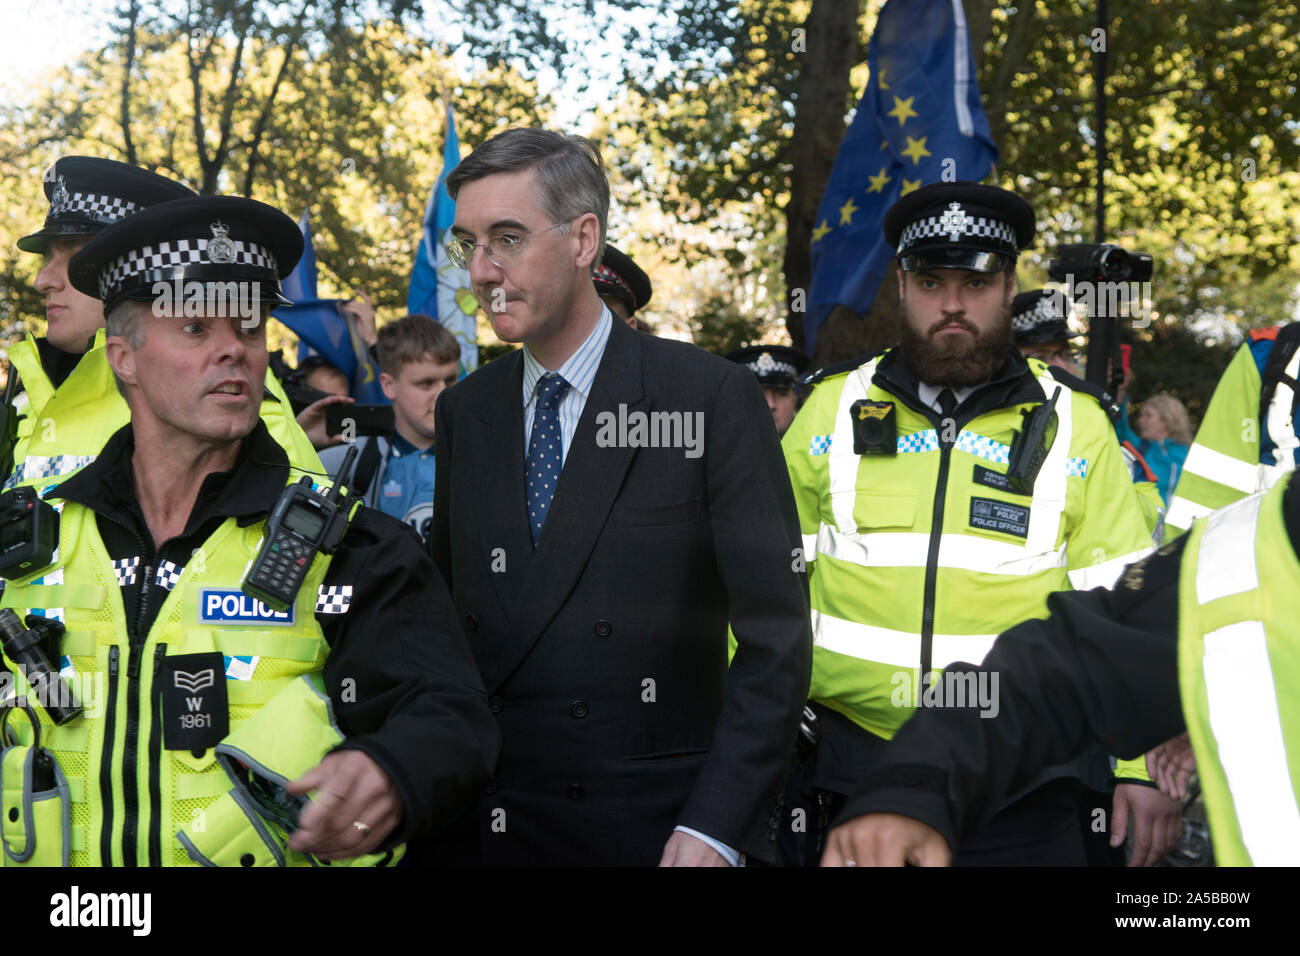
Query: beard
{"x": 954, "y": 361}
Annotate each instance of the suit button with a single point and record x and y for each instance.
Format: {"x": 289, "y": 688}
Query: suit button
{"x": 490, "y": 786}
{"x": 604, "y": 629}
{"x": 471, "y": 622}
{"x": 579, "y": 708}
{"x": 575, "y": 791}
{"x": 496, "y": 704}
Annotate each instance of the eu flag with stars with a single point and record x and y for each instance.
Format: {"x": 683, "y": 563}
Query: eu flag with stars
{"x": 919, "y": 121}
{"x": 321, "y": 326}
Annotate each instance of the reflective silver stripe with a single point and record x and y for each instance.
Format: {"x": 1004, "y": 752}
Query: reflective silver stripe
{"x": 1106, "y": 573}
{"x": 1226, "y": 562}
{"x": 884, "y": 549}
{"x": 1183, "y": 512}
{"x": 841, "y": 461}
{"x": 895, "y": 648}
{"x": 810, "y": 547}
{"x": 1222, "y": 469}
{"x": 1247, "y": 730}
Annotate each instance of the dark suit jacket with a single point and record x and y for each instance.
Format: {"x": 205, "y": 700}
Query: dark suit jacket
{"x": 604, "y": 651}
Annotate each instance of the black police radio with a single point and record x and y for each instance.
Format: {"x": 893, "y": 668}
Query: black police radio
{"x": 303, "y": 523}
{"x": 29, "y": 533}
{"x": 1030, "y": 445}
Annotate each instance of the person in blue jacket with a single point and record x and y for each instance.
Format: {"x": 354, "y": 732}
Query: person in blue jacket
{"x": 1162, "y": 436}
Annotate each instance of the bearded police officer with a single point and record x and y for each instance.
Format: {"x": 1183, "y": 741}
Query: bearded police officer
{"x": 216, "y": 714}
{"x": 71, "y": 403}
{"x": 777, "y": 368}
{"x": 1196, "y": 646}
{"x": 945, "y": 489}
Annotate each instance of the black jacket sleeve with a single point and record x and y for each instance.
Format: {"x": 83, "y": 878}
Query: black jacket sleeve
{"x": 756, "y": 538}
{"x": 401, "y": 677}
{"x": 1102, "y": 668}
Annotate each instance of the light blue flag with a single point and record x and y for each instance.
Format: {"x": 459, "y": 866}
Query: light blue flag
{"x": 438, "y": 288}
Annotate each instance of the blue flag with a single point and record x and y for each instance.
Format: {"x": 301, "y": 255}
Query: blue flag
{"x": 321, "y": 326}
{"x": 920, "y": 121}
{"x": 438, "y": 288}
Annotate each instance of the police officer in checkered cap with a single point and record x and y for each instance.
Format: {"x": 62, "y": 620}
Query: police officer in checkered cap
{"x": 359, "y": 696}
{"x": 927, "y": 535}
{"x": 1038, "y": 323}
{"x": 86, "y": 195}
{"x": 777, "y": 368}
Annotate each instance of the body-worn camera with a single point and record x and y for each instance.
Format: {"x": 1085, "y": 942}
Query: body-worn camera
{"x": 29, "y": 533}
{"x": 875, "y": 428}
{"x": 1099, "y": 261}
{"x": 1030, "y": 445}
{"x": 303, "y": 523}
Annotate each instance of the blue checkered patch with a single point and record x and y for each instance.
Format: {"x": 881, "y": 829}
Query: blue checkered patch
{"x": 986, "y": 448}
{"x": 820, "y": 445}
{"x": 1077, "y": 467}
{"x": 919, "y": 441}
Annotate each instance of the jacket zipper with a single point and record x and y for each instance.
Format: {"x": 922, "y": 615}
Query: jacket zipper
{"x": 131, "y": 755}
{"x": 106, "y": 763}
{"x": 155, "y": 762}
{"x": 932, "y": 561}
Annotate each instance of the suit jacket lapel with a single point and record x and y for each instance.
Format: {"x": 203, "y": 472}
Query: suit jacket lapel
{"x": 583, "y": 498}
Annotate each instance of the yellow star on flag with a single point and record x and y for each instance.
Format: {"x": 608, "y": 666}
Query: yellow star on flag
{"x": 916, "y": 149}
{"x": 821, "y": 231}
{"x": 847, "y": 211}
{"x": 878, "y": 181}
{"x": 881, "y": 80}
{"x": 909, "y": 185}
{"x": 902, "y": 109}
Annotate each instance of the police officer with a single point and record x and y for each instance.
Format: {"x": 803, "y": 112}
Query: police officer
{"x": 71, "y": 404}
{"x": 1249, "y": 437}
{"x": 1040, "y": 331}
{"x": 777, "y": 368}
{"x": 623, "y": 286}
{"x": 1196, "y": 646}
{"x": 215, "y": 716}
{"x": 945, "y": 488}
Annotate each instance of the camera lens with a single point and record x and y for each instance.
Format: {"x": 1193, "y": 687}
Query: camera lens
{"x": 1115, "y": 264}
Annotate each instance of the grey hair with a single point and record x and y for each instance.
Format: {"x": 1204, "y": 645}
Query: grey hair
{"x": 570, "y": 173}
{"x": 124, "y": 320}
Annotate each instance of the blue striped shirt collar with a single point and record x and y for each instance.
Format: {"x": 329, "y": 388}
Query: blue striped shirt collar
{"x": 580, "y": 369}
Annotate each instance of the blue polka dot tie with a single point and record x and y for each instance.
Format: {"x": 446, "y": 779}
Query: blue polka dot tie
{"x": 545, "y": 450}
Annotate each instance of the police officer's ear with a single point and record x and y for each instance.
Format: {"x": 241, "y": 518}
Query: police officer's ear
{"x": 121, "y": 358}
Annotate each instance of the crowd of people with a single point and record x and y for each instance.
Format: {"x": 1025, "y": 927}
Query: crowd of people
{"x": 610, "y": 599}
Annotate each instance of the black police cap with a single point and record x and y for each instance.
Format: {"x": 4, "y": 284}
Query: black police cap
{"x": 959, "y": 225}
{"x": 619, "y": 276}
{"x": 203, "y": 239}
{"x": 778, "y": 366}
{"x": 88, "y": 194}
{"x": 1040, "y": 316}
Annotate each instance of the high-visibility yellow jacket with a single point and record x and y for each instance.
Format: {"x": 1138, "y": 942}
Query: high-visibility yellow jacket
{"x": 927, "y": 555}
{"x": 1238, "y": 668}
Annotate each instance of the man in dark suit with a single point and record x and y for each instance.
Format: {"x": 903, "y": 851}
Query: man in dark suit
{"x": 606, "y": 502}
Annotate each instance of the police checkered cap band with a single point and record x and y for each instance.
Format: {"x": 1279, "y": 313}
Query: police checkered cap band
{"x": 604, "y": 273}
{"x": 105, "y": 209}
{"x": 181, "y": 252}
{"x": 967, "y": 227}
{"x": 771, "y": 366}
{"x": 1045, "y": 309}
